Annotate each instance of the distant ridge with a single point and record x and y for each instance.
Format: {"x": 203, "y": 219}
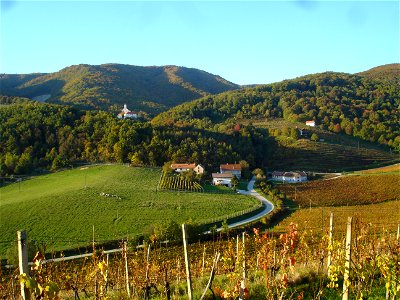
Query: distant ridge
{"x": 150, "y": 89}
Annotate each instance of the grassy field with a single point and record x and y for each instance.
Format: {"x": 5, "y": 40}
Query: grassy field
{"x": 345, "y": 190}
{"x": 60, "y": 209}
{"x": 381, "y": 216}
{"x": 337, "y": 153}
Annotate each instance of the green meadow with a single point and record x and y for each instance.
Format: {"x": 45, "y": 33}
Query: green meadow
{"x": 60, "y": 209}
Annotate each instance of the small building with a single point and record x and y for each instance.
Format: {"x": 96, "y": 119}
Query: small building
{"x": 198, "y": 169}
{"x": 289, "y": 177}
{"x": 310, "y": 123}
{"x": 222, "y": 179}
{"x": 234, "y": 169}
{"x": 127, "y": 114}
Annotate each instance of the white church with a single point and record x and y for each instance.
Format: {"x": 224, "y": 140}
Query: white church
{"x": 127, "y": 114}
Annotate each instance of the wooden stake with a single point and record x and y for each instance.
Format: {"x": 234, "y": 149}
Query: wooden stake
{"x": 204, "y": 261}
{"x": 346, "y": 276}
{"x": 126, "y": 269}
{"x": 330, "y": 242}
{"x": 187, "y": 261}
{"x": 243, "y": 282}
{"x": 237, "y": 248}
{"x": 215, "y": 263}
{"x": 106, "y": 286}
{"x": 147, "y": 289}
{"x": 23, "y": 261}
{"x": 398, "y": 232}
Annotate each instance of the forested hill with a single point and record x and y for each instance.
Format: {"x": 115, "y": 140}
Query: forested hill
{"x": 364, "y": 105}
{"x": 107, "y": 87}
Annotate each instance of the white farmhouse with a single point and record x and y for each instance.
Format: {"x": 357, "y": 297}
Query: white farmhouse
{"x": 234, "y": 169}
{"x": 310, "y": 123}
{"x": 222, "y": 179}
{"x": 198, "y": 169}
{"x": 289, "y": 177}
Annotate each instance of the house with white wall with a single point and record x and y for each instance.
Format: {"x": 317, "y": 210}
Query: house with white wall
{"x": 198, "y": 169}
{"x": 234, "y": 169}
{"x": 222, "y": 179}
{"x": 289, "y": 177}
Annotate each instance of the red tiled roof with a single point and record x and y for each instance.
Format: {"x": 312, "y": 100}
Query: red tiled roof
{"x": 222, "y": 175}
{"x": 231, "y": 167}
{"x": 183, "y": 166}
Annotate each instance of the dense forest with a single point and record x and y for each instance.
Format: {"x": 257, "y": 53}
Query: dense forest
{"x": 364, "y": 105}
{"x": 210, "y": 130}
{"x": 45, "y": 136}
{"x": 109, "y": 86}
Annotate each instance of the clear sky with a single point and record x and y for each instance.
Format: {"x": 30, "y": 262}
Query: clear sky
{"x": 242, "y": 41}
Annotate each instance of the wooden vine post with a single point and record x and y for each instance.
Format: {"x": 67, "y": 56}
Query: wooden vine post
{"x": 243, "y": 282}
{"x": 330, "y": 243}
{"x": 23, "y": 261}
{"x": 126, "y": 268}
{"x": 187, "y": 261}
{"x": 346, "y": 281}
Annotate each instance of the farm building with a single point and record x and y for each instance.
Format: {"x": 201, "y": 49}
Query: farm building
{"x": 198, "y": 169}
{"x": 310, "y": 123}
{"x": 127, "y": 114}
{"x": 222, "y": 179}
{"x": 289, "y": 177}
{"x": 234, "y": 169}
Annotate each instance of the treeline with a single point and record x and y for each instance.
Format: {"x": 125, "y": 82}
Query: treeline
{"x": 357, "y": 105}
{"x": 34, "y": 135}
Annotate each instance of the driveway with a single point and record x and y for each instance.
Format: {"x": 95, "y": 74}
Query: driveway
{"x": 268, "y": 206}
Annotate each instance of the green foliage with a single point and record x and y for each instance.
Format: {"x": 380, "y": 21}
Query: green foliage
{"x": 109, "y": 86}
{"x": 56, "y": 136}
{"x": 314, "y": 137}
{"x": 360, "y": 105}
{"x": 234, "y": 182}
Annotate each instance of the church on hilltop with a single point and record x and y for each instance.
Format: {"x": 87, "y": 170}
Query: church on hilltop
{"x": 127, "y": 114}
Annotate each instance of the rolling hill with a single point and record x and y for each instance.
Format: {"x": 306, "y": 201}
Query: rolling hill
{"x": 117, "y": 200}
{"x": 364, "y": 105}
{"x": 109, "y": 86}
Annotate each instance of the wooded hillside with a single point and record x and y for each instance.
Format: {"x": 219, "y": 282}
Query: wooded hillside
{"x": 109, "y": 86}
{"x": 364, "y": 105}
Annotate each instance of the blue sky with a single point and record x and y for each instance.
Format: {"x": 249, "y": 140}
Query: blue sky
{"x": 242, "y": 41}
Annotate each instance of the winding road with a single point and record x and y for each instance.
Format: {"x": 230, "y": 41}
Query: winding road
{"x": 268, "y": 206}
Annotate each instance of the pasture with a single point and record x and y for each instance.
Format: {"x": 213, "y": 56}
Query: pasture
{"x": 60, "y": 209}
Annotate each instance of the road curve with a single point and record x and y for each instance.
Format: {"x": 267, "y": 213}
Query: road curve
{"x": 268, "y": 206}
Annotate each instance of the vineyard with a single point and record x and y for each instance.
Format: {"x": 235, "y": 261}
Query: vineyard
{"x": 294, "y": 264}
{"x": 365, "y": 189}
{"x": 177, "y": 183}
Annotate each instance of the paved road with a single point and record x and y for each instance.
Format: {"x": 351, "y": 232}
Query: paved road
{"x": 268, "y": 206}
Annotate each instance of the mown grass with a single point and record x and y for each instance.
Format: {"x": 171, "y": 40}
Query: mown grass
{"x": 345, "y": 190}
{"x": 61, "y": 209}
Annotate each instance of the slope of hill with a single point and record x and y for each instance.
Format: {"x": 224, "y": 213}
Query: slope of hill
{"x": 332, "y": 153}
{"x": 150, "y": 89}
{"x": 390, "y": 72}
{"x": 115, "y": 199}
{"x": 356, "y": 105}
